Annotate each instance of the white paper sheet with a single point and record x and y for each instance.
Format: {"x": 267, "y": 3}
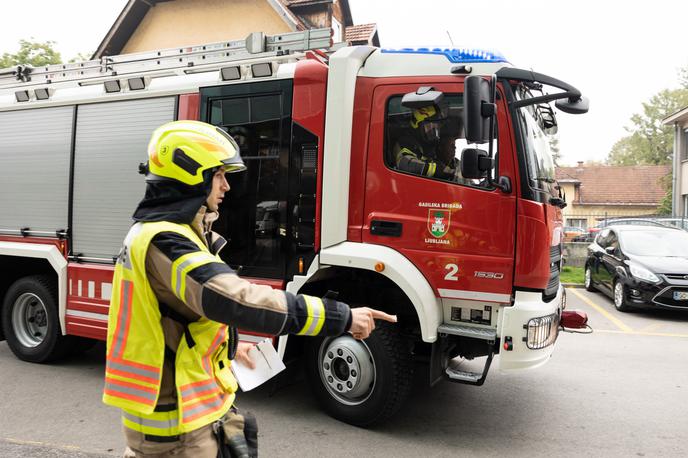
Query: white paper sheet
{"x": 268, "y": 364}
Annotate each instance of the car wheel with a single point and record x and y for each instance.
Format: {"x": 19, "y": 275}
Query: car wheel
{"x": 588, "y": 279}
{"x": 361, "y": 382}
{"x": 620, "y": 297}
{"x": 30, "y": 320}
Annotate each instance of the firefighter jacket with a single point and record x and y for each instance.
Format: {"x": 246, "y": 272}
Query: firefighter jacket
{"x": 171, "y": 330}
{"x": 417, "y": 158}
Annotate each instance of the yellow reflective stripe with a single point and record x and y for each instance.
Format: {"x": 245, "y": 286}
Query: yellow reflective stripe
{"x": 183, "y": 265}
{"x": 432, "y": 167}
{"x": 405, "y": 151}
{"x": 316, "y": 316}
{"x": 157, "y": 423}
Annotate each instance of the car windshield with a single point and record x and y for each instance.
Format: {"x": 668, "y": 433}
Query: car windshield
{"x": 671, "y": 243}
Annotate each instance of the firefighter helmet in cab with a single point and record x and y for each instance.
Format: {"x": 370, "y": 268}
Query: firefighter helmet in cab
{"x": 183, "y": 150}
{"x": 427, "y": 121}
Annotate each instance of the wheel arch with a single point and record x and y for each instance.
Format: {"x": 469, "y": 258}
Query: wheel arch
{"x": 348, "y": 263}
{"x": 22, "y": 259}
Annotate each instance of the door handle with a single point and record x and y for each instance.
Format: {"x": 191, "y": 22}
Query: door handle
{"x": 387, "y": 228}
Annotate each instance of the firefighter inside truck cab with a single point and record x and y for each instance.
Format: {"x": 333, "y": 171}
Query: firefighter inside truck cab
{"x": 417, "y": 150}
{"x": 175, "y": 307}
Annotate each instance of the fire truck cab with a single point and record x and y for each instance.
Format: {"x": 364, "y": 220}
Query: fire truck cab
{"x": 467, "y": 259}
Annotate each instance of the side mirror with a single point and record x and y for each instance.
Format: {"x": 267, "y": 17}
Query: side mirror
{"x": 579, "y": 106}
{"x": 423, "y": 97}
{"x": 475, "y": 163}
{"x": 478, "y": 109}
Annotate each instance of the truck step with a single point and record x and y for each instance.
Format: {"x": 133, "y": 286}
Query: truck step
{"x": 468, "y": 331}
{"x": 463, "y": 376}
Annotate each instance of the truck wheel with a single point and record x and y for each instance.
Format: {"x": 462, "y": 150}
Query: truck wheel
{"x": 30, "y": 320}
{"x": 361, "y": 382}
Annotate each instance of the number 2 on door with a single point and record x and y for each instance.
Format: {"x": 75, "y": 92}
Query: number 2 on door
{"x": 453, "y": 270}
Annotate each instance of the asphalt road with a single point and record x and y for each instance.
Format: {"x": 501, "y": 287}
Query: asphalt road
{"x": 621, "y": 391}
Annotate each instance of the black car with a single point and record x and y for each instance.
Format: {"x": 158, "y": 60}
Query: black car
{"x": 640, "y": 267}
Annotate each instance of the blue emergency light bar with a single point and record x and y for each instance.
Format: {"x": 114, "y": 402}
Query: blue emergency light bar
{"x": 456, "y": 56}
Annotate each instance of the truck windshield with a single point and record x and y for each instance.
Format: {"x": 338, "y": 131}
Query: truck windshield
{"x": 536, "y": 144}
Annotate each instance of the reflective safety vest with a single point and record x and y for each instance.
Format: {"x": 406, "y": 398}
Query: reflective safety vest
{"x": 204, "y": 382}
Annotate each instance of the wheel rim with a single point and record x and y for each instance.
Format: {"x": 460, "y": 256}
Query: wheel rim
{"x": 588, "y": 279}
{"x": 618, "y": 294}
{"x": 29, "y": 320}
{"x": 347, "y": 369}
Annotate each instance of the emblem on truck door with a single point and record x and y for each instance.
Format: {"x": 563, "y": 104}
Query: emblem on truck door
{"x": 438, "y": 222}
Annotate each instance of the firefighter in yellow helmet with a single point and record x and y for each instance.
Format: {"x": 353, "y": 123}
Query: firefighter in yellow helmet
{"x": 176, "y": 306}
{"x": 416, "y": 150}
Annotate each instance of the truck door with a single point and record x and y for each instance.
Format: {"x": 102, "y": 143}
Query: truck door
{"x": 459, "y": 232}
{"x": 253, "y": 215}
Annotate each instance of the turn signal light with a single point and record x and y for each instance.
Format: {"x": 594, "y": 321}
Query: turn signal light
{"x": 379, "y": 267}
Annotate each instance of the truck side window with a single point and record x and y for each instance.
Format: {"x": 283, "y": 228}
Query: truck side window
{"x": 432, "y": 151}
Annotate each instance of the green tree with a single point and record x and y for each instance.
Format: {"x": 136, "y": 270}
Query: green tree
{"x": 649, "y": 142}
{"x": 32, "y": 53}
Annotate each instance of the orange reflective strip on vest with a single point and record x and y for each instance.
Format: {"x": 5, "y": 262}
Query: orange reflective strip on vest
{"x": 204, "y": 407}
{"x": 130, "y": 369}
{"x": 131, "y": 391}
{"x": 123, "y": 319}
{"x": 198, "y": 389}
{"x": 217, "y": 341}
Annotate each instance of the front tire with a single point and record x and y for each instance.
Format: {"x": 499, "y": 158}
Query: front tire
{"x": 588, "y": 279}
{"x": 30, "y": 320}
{"x": 620, "y": 297}
{"x": 361, "y": 382}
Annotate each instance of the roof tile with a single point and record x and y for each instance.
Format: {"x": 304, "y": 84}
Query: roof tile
{"x": 637, "y": 184}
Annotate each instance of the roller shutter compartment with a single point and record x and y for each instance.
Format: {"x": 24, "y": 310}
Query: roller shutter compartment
{"x": 111, "y": 141}
{"x": 34, "y": 168}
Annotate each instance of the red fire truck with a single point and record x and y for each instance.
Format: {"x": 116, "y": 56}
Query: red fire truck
{"x": 469, "y": 263}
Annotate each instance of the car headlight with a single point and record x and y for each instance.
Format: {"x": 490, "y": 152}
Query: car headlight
{"x": 642, "y": 273}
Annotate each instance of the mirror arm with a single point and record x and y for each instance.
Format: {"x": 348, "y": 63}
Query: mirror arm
{"x": 572, "y": 96}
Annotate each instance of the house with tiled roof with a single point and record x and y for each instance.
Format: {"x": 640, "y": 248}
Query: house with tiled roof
{"x": 145, "y": 25}
{"x": 597, "y": 192}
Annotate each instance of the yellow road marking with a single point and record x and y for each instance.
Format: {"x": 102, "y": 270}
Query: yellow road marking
{"x": 652, "y": 327}
{"x": 641, "y": 333}
{"x": 42, "y": 444}
{"x": 620, "y": 324}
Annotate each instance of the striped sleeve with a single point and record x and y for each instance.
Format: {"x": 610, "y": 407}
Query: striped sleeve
{"x": 209, "y": 287}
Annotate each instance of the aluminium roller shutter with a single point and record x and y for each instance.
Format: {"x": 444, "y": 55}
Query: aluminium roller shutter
{"x": 34, "y": 168}
{"x": 111, "y": 141}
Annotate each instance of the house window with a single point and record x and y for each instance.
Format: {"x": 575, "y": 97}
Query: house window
{"x": 684, "y": 145}
{"x": 685, "y": 205}
{"x": 577, "y": 222}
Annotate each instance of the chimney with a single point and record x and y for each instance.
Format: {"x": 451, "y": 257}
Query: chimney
{"x": 580, "y": 163}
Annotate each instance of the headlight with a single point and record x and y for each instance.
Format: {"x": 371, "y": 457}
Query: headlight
{"x": 642, "y": 273}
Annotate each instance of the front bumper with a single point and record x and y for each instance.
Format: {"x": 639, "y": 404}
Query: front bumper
{"x": 644, "y": 295}
{"x": 513, "y": 329}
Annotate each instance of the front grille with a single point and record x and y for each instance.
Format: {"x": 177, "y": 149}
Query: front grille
{"x": 666, "y": 297}
{"x": 676, "y": 276}
{"x": 542, "y": 331}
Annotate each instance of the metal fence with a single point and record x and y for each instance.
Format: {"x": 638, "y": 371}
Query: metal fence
{"x": 586, "y": 222}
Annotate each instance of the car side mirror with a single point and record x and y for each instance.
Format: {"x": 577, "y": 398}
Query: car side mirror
{"x": 475, "y": 163}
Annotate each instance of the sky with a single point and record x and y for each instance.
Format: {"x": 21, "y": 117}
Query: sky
{"x": 618, "y": 54}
